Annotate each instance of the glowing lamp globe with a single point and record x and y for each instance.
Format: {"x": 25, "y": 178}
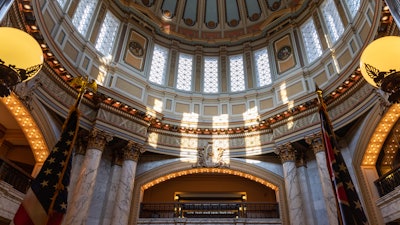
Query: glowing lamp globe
{"x": 21, "y": 58}
{"x": 380, "y": 65}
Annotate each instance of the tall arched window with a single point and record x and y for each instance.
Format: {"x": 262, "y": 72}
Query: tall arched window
{"x": 158, "y": 65}
{"x": 210, "y": 75}
{"x": 353, "y": 6}
{"x": 311, "y": 40}
{"x": 108, "y": 32}
{"x": 332, "y": 20}
{"x": 263, "y": 71}
{"x": 185, "y": 68}
{"x": 236, "y": 71}
{"x": 83, "y": 15}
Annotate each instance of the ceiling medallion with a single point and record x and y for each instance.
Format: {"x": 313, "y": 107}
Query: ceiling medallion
{"x": 274, "y": 5}
{"x": 233, "y": 23}
{"x": 254, "y": 17}
{"x": 147, "y": 3}
{"x": 284, "y": 52}
{"x": 211, "y": 24}
{"x": 189, "y": 22}
{"x": 136, "y": 49}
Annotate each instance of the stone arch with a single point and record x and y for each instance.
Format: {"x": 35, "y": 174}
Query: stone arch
{"x": 237, "y": 168}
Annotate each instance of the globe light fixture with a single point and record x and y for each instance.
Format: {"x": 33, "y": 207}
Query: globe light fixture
{"x": 380, "y": 65}
{"x": 21, "y": 58}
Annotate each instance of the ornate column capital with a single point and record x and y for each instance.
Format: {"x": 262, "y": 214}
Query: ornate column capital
{"x": 316, "y": 143}
{"x": 286, "y": 152}
{"x": 98, "y": 139}
{"x": 132, "y": 151}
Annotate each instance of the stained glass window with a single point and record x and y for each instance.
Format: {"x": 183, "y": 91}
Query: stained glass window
{"x": 263, "y": 71}
{"x": 353, "y": 6}
{"x": 62, "y": 3}
{"x": 211, "y": 74}
{"x": 311, "y": 40}
{"x": 185, "y": 68}
{"x": 236, "y": 73}
{"x": 83, "y": 14}
{"x": 332, "y": 20}
{"x": 108, "y": 32}
{"x": 158, "y": 64}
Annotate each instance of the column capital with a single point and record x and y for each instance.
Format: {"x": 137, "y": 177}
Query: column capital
{"x": 316, "y": 143}
{"x": 286, "y": 152}
{"x": 132, "y": 151}
{"x": 98, "y": 139}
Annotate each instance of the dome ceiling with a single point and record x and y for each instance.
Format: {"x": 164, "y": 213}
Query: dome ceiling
{"x": 216, "y": 21}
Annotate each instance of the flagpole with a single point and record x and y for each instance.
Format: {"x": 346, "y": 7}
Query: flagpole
{"x": 322, "y": 107}
{"x": 83, "y": 84}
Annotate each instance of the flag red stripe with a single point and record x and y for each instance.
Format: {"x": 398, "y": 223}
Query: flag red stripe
{"x": 31, "y": 208}
{"x": 22, "y": 218}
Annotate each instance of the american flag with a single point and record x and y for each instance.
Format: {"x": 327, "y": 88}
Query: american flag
{"x": 351, "y": 211}
{"x": 46, "y": 200}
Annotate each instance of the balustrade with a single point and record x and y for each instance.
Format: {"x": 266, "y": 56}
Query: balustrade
{"x": 210, "y": 210}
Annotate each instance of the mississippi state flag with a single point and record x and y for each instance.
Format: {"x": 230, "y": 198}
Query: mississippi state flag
{"x": 46, "y": 200}
{"x": 349, "y": 205}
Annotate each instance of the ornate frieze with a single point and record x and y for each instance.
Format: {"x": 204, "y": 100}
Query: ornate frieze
{"x": 128, "y": 123}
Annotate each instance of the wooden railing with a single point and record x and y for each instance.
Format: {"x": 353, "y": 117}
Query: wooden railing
{"x": 210, "y": 210}
{"x": 388, "y": 182}
{"x": 13, "y": 175}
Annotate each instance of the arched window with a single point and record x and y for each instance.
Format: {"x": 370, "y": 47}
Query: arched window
{"x": 210, "y": 75}
{"x": 236, "y": 71}
{"x": 263, "y": 71}
{"x": 185, "y": 68}
{"x": 83, "y": 14}
{"x": 332, "y": 20}
{"x": 158, "y": 64}
{"x": 108, "y": 32}
{"x": 311, "y": 40}
{"x": 353, "y": 6}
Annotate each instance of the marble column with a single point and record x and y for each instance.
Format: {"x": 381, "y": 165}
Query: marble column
{"x": 79, "y": 206}
{"x": 77, "y": 161}
{"x": 124, "y": 195}
{"x": 116, "y": 168}
{"x": 293, "y": 192}
{"x": 329, "y": 196}
{"x": 305, "y": 189}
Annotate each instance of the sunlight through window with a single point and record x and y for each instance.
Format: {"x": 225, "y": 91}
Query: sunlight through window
{"x": 283, "y": 92}
{"x": 83, "y": 15}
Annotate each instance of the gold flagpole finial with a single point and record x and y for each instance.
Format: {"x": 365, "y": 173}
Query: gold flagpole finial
{"x": 83, "y": 84}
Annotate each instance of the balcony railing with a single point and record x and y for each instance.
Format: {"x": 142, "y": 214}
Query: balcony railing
{"x": 210, "y": 210}
{"x": 13, "y": 175}
{"x": 388, "y": 182}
